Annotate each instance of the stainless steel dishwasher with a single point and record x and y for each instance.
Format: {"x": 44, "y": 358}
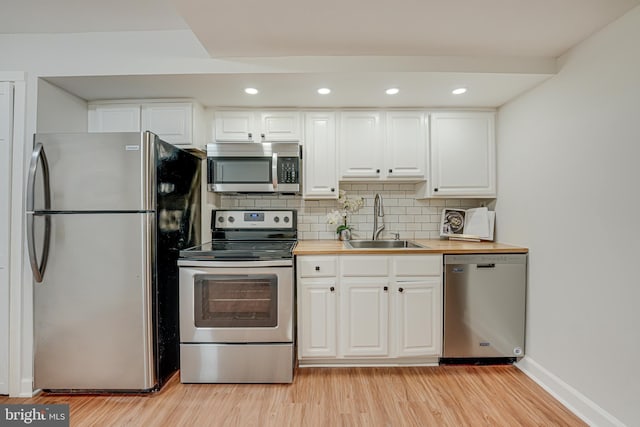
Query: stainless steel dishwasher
{"x": 484, "y": 308}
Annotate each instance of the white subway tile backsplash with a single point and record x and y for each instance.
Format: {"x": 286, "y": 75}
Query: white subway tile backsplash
{"x": 413, "y": 219}
{"x": 396, "y": 211}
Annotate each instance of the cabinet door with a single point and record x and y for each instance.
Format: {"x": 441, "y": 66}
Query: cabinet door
{"x": 418, "y": 318}
{"x": 364, "y": 317}
{"x": 406, "y": 144}
{"x": 280, "y": 126}
{"x": 172, "y": 122}
{"x": 320, "y": 171}
{"x": 317, "y": 318}
{"x": 114, "y": 118}
{"x": 360, "y": 142}
{"x": 235, "y": 126}
{"x": 462, "y": 157}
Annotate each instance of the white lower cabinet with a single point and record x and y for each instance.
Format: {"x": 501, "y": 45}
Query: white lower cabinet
{"x": 364, "y": 317}
{"x": 317, "y": 303}
{"x": 418, "y": 318}
{"x": 369, "y": 309}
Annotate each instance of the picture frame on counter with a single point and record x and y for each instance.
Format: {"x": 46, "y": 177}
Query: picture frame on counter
{"x": 475, "y": 224}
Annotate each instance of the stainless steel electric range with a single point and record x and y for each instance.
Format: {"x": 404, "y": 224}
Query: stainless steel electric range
{"x": 236, "y": 300}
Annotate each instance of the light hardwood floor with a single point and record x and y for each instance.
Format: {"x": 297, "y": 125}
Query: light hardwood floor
{"x": 425, "y": 396}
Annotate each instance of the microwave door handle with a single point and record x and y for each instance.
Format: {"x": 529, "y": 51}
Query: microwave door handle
{"x": 274, "y": 170}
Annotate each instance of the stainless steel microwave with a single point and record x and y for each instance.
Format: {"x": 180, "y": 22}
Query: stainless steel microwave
{"x": 247, "y": 167}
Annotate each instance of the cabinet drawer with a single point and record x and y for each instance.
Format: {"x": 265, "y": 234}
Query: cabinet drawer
{"x": 367, "y": 265}
{"x": 417, "y": 265}
{"x": 317, "y": 266}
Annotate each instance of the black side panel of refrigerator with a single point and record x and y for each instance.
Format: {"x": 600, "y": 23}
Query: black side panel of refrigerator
{"x": 178, "y": 227}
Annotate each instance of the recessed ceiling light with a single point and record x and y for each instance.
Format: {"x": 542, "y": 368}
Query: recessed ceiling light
{"x": 459, "y": 91}
{"x": 251, "y": 90}
{"x": 324, "y": 91}
{"x": 392, "y": 91}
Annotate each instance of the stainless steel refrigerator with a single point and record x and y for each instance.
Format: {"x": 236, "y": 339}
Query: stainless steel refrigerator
{"x": 107, "y": 214}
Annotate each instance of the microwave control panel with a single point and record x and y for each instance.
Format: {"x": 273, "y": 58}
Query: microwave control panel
{"x": 288, "y": 170}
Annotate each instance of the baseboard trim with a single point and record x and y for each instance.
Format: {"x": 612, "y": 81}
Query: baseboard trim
{"x": 575, "y": 401}
{"x": 26, "y": 388}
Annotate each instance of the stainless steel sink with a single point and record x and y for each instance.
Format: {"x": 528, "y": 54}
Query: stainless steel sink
{"x": 381, "y": 244}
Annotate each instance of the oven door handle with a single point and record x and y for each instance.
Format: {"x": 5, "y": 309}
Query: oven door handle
{"x": 274, "y": 170}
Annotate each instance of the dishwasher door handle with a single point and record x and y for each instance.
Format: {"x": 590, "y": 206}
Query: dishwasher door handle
{"x": 486, "y": 266}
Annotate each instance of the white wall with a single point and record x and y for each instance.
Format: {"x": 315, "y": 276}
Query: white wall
{"x": 569, "y": 189}
{"x": 60, "y": 111}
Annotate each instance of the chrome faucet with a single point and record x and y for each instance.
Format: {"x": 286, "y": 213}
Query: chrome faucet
{"x": 378, "y": 212}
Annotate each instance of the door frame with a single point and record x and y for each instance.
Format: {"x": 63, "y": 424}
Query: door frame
{"x": 6, "y": 145}
{"x": 20, "y": 339}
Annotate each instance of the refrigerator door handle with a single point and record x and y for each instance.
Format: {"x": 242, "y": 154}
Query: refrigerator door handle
{"x": 38, "y": 155}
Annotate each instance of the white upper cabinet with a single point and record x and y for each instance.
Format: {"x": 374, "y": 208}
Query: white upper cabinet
{"x": 319, "y": 156}
{"x": 462, "y": 155}
{"x": 361, "y": 152}
{"x": 280, "y": 126}
{"x": 172, "y": 122}
{"x": 235, "y": 126}
{"x": 114, "y": 118}
{"x": 253, "y": 126}
{"x": 178, "y": 123}
{"x": 383, "y": 146}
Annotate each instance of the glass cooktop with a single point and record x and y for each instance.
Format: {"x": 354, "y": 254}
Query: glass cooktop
{"x": 240, "y": 250}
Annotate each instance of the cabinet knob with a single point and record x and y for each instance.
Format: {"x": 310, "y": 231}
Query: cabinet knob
{"x": 333, "y": 190}
{"x": 386, "y": 288}
{"x": 435, "y": 190}
{"x": 377, "y": 170}
{"x": 332, "y": 289}
{"x": 400, "y": 290}
{"x": 317, "y": 268}
{"x": 390, "y": 170}
{"x": 250, "y": 135}
{"x": 262, "y": 136}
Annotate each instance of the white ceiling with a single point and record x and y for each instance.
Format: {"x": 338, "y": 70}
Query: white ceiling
{"x": 496, "y": 48}
{"x": 396, "y": 27}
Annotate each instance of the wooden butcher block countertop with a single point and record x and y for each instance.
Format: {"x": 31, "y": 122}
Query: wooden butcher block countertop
{"x": 336, "y": 247}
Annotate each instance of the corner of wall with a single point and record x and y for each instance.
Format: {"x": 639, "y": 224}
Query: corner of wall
{"x": 575, "y": 401}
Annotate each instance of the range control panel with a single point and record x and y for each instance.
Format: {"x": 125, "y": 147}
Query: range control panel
{"x": 245, "y": 219}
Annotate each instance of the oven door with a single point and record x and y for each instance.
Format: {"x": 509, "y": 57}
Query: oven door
{"x": 236, "y": 302}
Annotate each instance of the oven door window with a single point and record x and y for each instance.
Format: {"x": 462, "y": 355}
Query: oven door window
{"x": 242, "y": 170}
{"x": 236, "y": 301}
